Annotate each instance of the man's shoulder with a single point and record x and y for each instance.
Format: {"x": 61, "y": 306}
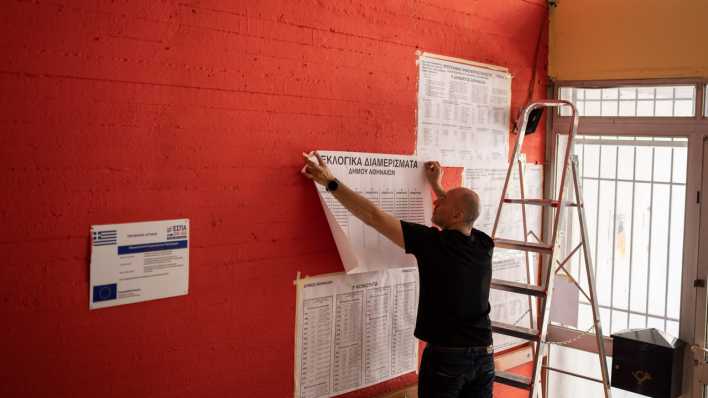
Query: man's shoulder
{"x": 483, "y": 239}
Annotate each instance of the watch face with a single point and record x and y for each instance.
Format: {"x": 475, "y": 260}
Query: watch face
{"x": 332, "y": 185}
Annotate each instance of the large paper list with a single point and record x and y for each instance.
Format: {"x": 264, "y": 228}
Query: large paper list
{"x": 510, "y": 265}
{"x": 463, "y": 112}
{"x": 354, "y": 330}
{"x": 394, "y": 183}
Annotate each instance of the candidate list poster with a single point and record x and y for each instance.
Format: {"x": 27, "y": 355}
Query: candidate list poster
{"x": 137, "y": 262}
{"x": 488, "y": 182}
{"x": 354, "y": 330}
{"x": 463, "y": 112}
{"x": 394, "y": 183}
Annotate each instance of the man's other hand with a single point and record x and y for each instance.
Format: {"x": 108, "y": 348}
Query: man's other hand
{"x": 433, "y": 172}
{"x": 316, "y": 171}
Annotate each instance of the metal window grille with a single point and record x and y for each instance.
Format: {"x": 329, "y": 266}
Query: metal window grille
{"x": 632, "y": 101}
{"x": 634, "y": 190}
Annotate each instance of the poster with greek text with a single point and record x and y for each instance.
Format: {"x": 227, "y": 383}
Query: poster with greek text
{"x": 488, "y": 182}
{"x": 463, "y": 112}
{"x": 394, "y": 183}
{"x": 353, "y": 331}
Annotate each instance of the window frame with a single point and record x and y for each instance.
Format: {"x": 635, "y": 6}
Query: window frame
{"x": 696, "y": 130}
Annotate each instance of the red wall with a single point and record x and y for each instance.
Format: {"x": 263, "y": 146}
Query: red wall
{"x": 133, "y": 110}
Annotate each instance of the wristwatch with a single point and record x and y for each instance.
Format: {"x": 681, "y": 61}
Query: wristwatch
{"x": 332, "y": 185}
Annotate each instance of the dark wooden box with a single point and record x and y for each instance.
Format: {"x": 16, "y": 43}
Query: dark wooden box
{"x": 647, "y": 362}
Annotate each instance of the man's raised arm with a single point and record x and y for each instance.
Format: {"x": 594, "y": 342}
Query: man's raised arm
{"x": 359, "y": 206}
{"x": 433, "y": 172}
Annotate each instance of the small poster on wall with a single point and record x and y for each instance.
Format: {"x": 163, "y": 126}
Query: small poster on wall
{"x": 137, "y": 262}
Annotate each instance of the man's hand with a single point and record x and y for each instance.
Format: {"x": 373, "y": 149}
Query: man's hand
{"x": 433, "y": 172}
{"x": 316, "y": 171}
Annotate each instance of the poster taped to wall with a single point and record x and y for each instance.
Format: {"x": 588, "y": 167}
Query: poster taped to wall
{"x": 510, "y": 265}
{"x": 353, "y": 331}
{"x": 137, "y": 262}
{"x": 394, "y": 183}
{"x": 463, "y": 112}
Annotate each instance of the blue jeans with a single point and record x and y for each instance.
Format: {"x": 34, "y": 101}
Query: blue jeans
{"x": 456, "y": 372}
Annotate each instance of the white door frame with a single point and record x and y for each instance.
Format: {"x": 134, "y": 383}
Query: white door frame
{"x": 697, "y": 366}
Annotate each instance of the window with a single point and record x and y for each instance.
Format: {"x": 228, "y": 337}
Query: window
{"x": 632, "y": 146}
{"x": 634, "y": 192}
{"x": 632, "y": 101}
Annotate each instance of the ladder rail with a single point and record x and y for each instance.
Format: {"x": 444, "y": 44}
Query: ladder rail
{"x": 589, "y": 268}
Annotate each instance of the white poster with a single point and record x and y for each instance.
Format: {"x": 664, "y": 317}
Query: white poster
{"x": 353, "y": 331}
{"x": 138, "y": 262}
{"x": 507, "y": 307}
{"x": 463, "y": 113}
{"x": 395, "y": 184}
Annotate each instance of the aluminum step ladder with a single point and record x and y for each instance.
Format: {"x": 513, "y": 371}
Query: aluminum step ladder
{"x": 550, "y": 253}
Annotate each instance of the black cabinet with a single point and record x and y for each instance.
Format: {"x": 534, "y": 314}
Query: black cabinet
{"x": 647, "y": 362}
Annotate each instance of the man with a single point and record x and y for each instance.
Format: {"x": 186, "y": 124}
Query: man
{"x": 455, "y": 268}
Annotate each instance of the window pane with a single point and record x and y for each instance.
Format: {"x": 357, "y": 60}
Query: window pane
{"x": 592, "y": 94}
{"x": 619, "y": 321}
{"x": 584, "y": 316}
{"x": 627, "y": 108}
{"x": 591, "y": 158}
{"x": 662, "y": 164}
{"x": 663, "y": 108}
{"x": 683, "y": 108}
{"x": 580, "y": 108}
{"x": 658, "y": 248}
{"x": 592, "y": 108}
{"x": 605, "y": 320}
{"x": 623, "y": 237}
{"x": 645, "y": 108}
{"x": 609, "y": 161}
{"x": 609, "y": 93}
{"x": 672, "y": 328}
{"x": 678, "y": 198}
{"x": 685, "y": 92}
{"x": 645, "y": 92}
{"x": 605, "y": 244}
{"x": 653, "y": 322}
{"x": 664, "y": 92}
{"x": 566, "y": 93}
{"x": 680, "y": 164}
{"x": 643, "y": 165}
{"x": 625, "y": 165}
{"x": 628, "y": 92}
{"x": 640, "y": 247}
{"x": 637, "y": 321}
{"x": 590, "y": 198}
{"x": 609, "y": 108}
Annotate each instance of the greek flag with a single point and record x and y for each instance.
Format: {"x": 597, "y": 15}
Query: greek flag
{"x": 103, "y": 238}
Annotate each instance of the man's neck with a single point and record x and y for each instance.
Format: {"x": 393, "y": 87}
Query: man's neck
{"x": 465, "y": 229}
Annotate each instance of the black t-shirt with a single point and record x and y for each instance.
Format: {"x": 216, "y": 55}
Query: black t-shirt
{"x": 455, "y": 272}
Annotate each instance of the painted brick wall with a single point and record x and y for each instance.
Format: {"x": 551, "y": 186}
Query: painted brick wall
{"x": 133, "y": 110}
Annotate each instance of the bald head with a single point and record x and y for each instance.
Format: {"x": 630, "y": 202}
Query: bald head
{"x": 467, "y": 201}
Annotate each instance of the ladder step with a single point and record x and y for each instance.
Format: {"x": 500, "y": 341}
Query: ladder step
{"x": 515, "y": 331}
{"x": 524, "y": 246}
{"x": 537, "y": 202}
{"x": 516, "y": 287}
{"x": 511, "y": 379}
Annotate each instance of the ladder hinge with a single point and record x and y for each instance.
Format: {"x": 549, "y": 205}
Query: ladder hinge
{"x": 699, "y": 283}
